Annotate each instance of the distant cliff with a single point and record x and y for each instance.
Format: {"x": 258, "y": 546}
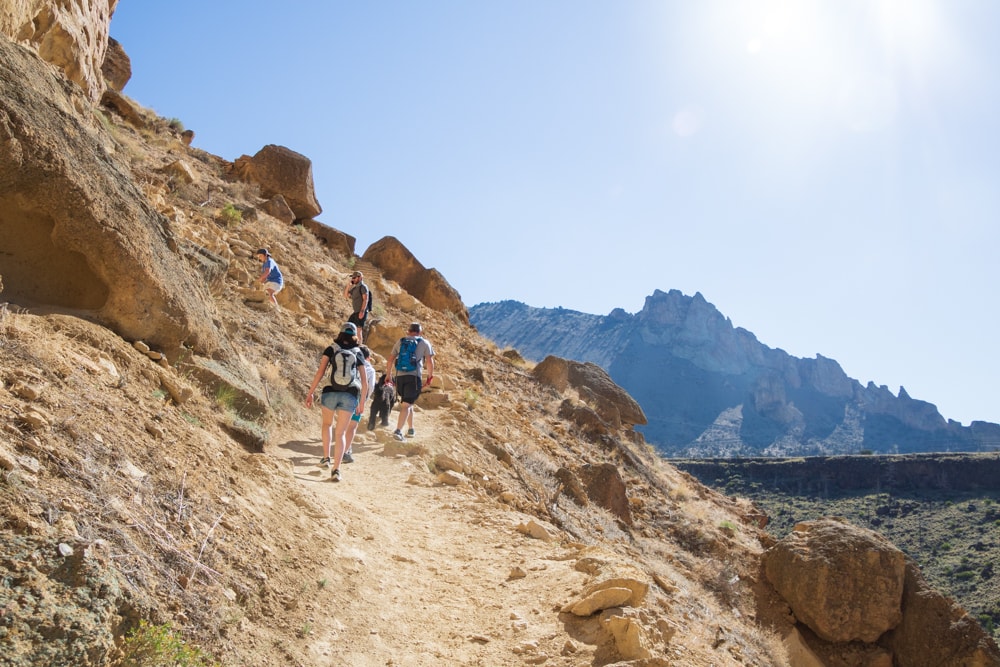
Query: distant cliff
{"x": 711, "y": 389}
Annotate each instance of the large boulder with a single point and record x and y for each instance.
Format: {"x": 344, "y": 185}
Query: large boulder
{"x": 70, "y": 34}
{"x": 842, "y": 581}
{"x": 397, "y": 263}
{"x": 117, "y": 66}
{"x": 282, "y": 171}
{"x": 612, "y": 403}
{"x": 76, "y": 231}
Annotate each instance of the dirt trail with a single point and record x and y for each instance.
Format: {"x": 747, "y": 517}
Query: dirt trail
{"x": 422, "y": 571}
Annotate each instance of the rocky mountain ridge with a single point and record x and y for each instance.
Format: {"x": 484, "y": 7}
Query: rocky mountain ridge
{"x": 710, "y": 389}
{"x": 160, "y": 493}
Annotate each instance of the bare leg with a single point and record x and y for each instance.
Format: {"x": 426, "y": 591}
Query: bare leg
{"x": 326, "y": 430}
{"x": 340, "y": 437}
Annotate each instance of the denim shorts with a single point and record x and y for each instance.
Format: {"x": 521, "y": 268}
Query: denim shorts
{"x": 339, "y": 400}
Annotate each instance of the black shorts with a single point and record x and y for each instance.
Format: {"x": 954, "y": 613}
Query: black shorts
{"x": 359, "y": 321}
{"x": 408, "y": 388}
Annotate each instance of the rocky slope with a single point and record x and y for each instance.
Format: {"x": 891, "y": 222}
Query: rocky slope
{"x": 160, "y": 502}
{"x": 711, "y": 389}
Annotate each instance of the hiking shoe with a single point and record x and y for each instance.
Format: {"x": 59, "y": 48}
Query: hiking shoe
{"x": 324, "y": 462}
{"x": 335, "y": 475}
{"x": 410, "y": 433}
{"x": 348, "y": 458}
{"x": 398, "y": 435}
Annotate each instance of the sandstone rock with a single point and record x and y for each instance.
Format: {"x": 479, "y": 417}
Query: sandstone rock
{"x": 282, "y": 171}
{"x": 67, "y": 206}
{"x": 124, "y": 107}
{"x": 428, "y": 285}
{"x": 631, "y": 640}
{"x": 452, "y": 478}
{"x": 844, "y": 582}
{"x": 536, "y": 530}
{"x": 333, "y": 238}
{"x": 277, "y": 207}
{"x": 935, "y": 630}
{"x": 181, "y": 171}
{"x": 117, "y": 66}
{"x": 605, "y": 487}
{"x": 602, "y": 598}
{"x": 71, "y": 34}
{"x": 608, "y": 400}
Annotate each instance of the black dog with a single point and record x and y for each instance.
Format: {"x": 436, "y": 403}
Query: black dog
{"x": 383, "y": 398}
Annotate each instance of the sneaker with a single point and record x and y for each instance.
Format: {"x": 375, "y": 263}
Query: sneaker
{"x": 398, "y": 435}
{"x": 324, "y": 462}
{"x": 335, "y": 475}
{"x": 410, "y": 433}
{"x": 348, "y": 458}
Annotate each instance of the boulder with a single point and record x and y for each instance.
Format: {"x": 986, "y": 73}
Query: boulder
{"x": 333, "y": 238}
{"x": 117, "y": 66}
{"x": 612, "y": 403}
{"x": 278, "y": 208}
{"x": 606, "y": 488}
{"x": 844, "y": 582}
{"x": 282, "y": 171}
{"x": 397, "y": 263}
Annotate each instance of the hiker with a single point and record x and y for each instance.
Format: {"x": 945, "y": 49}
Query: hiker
{"x": 359, "y": 294}
{"x": 352, "y": 428}
{"x": 383, "y": 398}
{"x": 407, "y": 360}
{"x": 270, "y": 275}
{"x": 340, "y": 398}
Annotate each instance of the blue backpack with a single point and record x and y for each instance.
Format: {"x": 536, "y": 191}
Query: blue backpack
{"x": 406, "y": 360}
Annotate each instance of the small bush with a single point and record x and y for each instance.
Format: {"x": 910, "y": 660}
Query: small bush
{"x": 230, "y": 215}
{"x": 159, "y": 646}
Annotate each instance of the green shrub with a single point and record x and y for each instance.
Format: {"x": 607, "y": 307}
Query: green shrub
{"x": 230, "y": 215}
{"x": 159, "y": 646}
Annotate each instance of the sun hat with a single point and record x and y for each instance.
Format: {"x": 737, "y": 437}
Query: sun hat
{"x": 350, "y": 328}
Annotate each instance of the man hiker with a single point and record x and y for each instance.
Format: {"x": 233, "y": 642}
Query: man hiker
{"x": 407, "y": 360}
{"x": 359, "y": 294}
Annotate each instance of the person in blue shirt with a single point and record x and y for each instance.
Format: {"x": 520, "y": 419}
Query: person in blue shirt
{"x": 270, "y": 275}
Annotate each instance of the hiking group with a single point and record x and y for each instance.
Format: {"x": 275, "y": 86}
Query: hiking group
{"x": 352, "y": 381}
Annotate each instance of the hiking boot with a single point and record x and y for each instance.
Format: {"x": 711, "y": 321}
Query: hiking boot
{"x": 324, "y": 462}
{"x": 348, "y": 458}
{"x": 398, "y": 435}
{"x": 410, "y": 433}
{"x": 335, "y": 475}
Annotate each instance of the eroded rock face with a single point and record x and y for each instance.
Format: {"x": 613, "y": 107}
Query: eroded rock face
{"x": 428, "y": 285}
{"x": 844, "y": 582}
{"x": 77, "y": 232}
{"x": 70, "y": 34}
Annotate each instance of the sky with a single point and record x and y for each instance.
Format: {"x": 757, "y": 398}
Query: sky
{"x": 824, "y": 172}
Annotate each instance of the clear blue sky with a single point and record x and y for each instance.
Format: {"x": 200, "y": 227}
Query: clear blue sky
{"x": 826, "y": 173}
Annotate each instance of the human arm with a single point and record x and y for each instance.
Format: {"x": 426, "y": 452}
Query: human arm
{"x": 363, "y": 396}
{"x": 323, "y": 362}
{"x": 430, "y": 369}
{"x": 364, "y": 304}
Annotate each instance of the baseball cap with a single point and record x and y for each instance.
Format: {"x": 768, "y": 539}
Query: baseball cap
{"x": 349, "y": 328}
{"x": 263, "y": 251}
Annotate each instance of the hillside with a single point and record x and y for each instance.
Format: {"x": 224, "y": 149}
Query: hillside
{"x": 710, "y": 389}
{"x": 161, "y": 502}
